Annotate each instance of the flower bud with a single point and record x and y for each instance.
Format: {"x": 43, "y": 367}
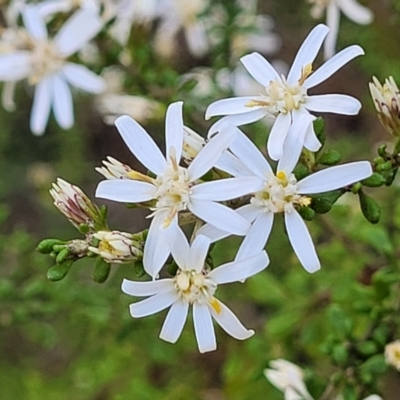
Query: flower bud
{"x": 74, "y": 204}
{"x": 387, "y": 103}
{"x": 370, "y": 208}
{"x": 192, "y": 144}
{"x": 116, "y": 247}
{"x": 101, "y": 270}
{"x": 330, "y": 157}
{"x": 59, "y": 271}
{"x": 113, "y": 169}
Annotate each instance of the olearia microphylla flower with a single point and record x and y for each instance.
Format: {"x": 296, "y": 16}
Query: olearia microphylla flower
{"x": 386, "y": 98}
{"x": 283, "y": 194}
{"x": 44, "y": 63}
{"x": 116, "y": 247}
{"x": 175, "y": 188}
{"x": 288, "y": 378}
{"x": 351, "y": 8}
{"x": 194, "y": 285}
{"x": 392, "y": 354}
{"x": 286, "y": 98}
{"x": 75, "y": 205}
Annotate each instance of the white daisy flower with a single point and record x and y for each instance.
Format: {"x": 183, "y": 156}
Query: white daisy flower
{"x": 351, "y": 8}
{"x": 44, "y": 63}
{"x": 286, "y": 97}
{"x": 194, "y": 285}
{"x": 283, "y": 194}
{"x": 176, "y": 188}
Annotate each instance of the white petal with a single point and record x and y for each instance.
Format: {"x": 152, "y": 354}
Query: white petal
{"x": 237, "y": 120}
{"x": 41, "y": 106}
{"x": 301, "y": 241}
{"x": 332, "y": 65}
{"x": 219, "y": 216}
{"x": 16, "y": 66}
{"x": 178, "y": 245}
{"x": 356, "y": 12}
{"x": 257, "y": 237}
{"x": 203, "y": 328}
{"x": 307, "y": 52}
{"x": 277, "y": 135}
{"x": 82, "y": 78}
{"x": 156, "y": 249}
{"x": 227, "y": 189}
{"x": 294, "y": 141}
{"x": 34, "y": 23}
{"x": 228, "y": 321}
{"x": 239, "y": 270}
{"x": 174, "y": 130}
{"x": 77, "y": 31}
{"x": 249, "y": 212}
{"x": 198, "y": 253}
{"x": 7, "y": 96}
{"x": 231, "y": 106}
{"x": 334, "y": 177}
{"x": 250, "y": 155}
{"x": 333, "y": 103}
{"x": 196, "y": 39}
{"x": 210, "y": 153}
{"x": 125, "y": 190}
{"x": 175, "y": 321}
{"x": 232, "y": 165}
{"x": 153, "y": 304}
{"x": 141, "y": 144}
{"x": 260, "y": 69}
{"x": 311, "y": 141}
{"x": 147, "y": 288}
{"x": 333, "y": 21}
{"x": 62, "y": 102}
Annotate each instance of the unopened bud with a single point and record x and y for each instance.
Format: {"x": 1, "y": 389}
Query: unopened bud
{"x": 306, "y": 213}
{"x": 46, "y": 245}
{"x": 375, "y": 180}
{"x": 330, "y": 157}
{"x": 59, "y": 271}
{"x": 192, "y": 144}
{"x": 386, "y": 98}
{"x": 101, "y": 270}
{"x": 319, "y": 129}
{"x": 116, "y": 247}
{"x": 370, "y": 208}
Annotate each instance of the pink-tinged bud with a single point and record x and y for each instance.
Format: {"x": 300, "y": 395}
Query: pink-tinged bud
{"x": 116, "y": 247}
{"x": 386, "y": 98}
{"x": 75, "y": 205}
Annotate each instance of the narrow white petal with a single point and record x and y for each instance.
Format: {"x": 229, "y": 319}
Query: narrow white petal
{"x": 232, "y": 165}
{"x": 294, "y": 141}
{"x": 227, "y": 189}
{"x": 82, "y": 78}
{"x": 196, "y": 39}
{"x": 210, "y": 153}
{"x": 62, "y": 102}
{"x": 153, "y": 304}
{"x": 333, "y": 103}
{"x": 203, "y": 328}
{"x": 311, "y": 141}
{"x": 356, "y": 12}
{"x": 219, "y": 216}
{"x": 239, "y": 270}
{"x": 301, "y": 241}
{"x": 34, "y": 23}
{"x": 41, "y": 106}
{"x": 7, "y": 96}
{"x": 247, "y": 152}
{"x": 257, "y": 237}
{"x": 332, "y": 65}
{"x": 277, "y": 135}
{"x": 307, "y": 52}
{"x": 259, "y": 68}
{"x": 228, "y": 321}
{"x": 333, "y": 22}
{"x": 198, "y": 253}
{"x": 249, "y": 212}
{"x": 16, "y": 66}
{"x": 178, "y": 245}
{"x": 231, "y": 106}
{"x": 237, "y": 120}
{"x": 334, "y": 177}
{"x": 174, "y": 322}
{"x": 147, "y": 288}
{"x": 156, "y": 249}
{"x": 125, "y": 190}
{"x": 77, "y": 31}
{"x": 141, "y": 144}
{"x": 174, "y": 130}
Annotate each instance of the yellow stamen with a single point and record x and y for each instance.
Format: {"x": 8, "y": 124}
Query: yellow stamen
{"x": 281, "y": 175}
{"x": 257, "y": 103}
{"x": 138, "y": 176}
{"x": 305, "y": 201}
{"x": 215, "y": 304}
{"x": 306, "y": 71}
